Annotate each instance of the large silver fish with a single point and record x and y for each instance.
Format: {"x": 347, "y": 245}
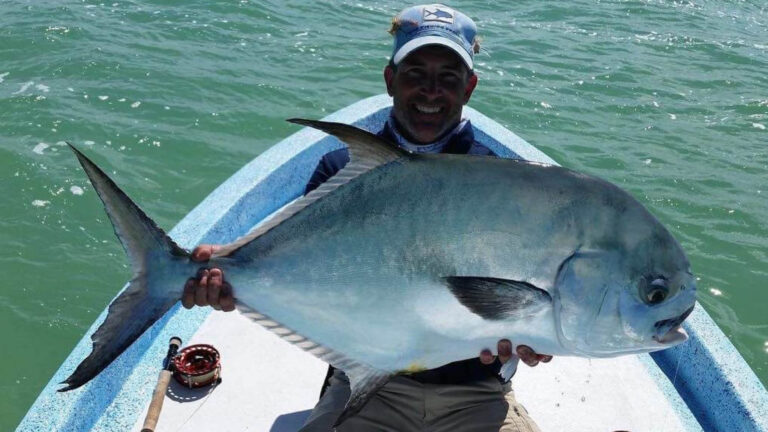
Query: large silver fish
{"x": 405, "y": 261}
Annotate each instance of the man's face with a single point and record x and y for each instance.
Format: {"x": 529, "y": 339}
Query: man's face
{"x": 429, "y": 88}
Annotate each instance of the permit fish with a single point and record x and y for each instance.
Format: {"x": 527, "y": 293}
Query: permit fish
{"x": 404, "y": 261}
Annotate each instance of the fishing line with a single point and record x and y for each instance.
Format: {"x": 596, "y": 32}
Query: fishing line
{"x": 208, "y": 396}
{"x": 674, "y": 378}
{"x": 679, "y": 360}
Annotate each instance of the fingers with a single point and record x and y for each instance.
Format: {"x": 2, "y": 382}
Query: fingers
{"x": 205, "y": 289}
{"x": 208, "y": 288}
{"x": 486, "y": 357}
{"x": 527, "y": 355}
{"x": 215, "y": 281}
{"x": 188, "y": 297}
{"x": 227, "y": 299}
{"x": 204, "y": 252}
{"x": 530, "y": 357}
{"x": 504, "y": 348}
{"x": 201, "y": 291}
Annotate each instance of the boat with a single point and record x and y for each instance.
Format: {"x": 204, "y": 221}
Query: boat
{"x": 269, "y": 385}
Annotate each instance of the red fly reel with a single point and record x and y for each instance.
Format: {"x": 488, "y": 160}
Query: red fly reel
{"x": 197, "y": 366}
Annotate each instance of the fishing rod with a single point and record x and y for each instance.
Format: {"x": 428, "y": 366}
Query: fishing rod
{"x": 153, "y": 413}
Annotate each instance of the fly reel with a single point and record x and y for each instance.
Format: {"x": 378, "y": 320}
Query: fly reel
{"x": 197, "y": 366}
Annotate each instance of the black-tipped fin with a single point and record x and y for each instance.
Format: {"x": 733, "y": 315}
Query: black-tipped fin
{"x": 497, "y": 299}
{"x": 129, "y": 316}
{"x": 142, "y": 302}
{"x": 135, "y": 230}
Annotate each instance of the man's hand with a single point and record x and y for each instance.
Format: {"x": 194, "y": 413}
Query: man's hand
{"x": 504, "y": 350}
{"x": 208, "y": 287}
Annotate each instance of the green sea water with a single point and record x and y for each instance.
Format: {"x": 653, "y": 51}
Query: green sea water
{"x": 668, "y": 99}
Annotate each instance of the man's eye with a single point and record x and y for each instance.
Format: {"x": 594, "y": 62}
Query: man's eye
{"x": 450, "y": 78}
{"x": 414, "y": 73}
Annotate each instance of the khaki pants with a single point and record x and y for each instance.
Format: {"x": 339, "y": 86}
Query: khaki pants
{"x": 405, "y": 405}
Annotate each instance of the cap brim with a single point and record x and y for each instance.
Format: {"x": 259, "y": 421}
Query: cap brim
{"x": 419, "y": 42}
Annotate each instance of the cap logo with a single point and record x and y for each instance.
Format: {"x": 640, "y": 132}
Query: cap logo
{"x": 438, "y": 14}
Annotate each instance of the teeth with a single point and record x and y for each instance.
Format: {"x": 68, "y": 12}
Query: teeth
{"x": 428, "y": 109}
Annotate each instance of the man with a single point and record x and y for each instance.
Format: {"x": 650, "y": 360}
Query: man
{"x": 430, "y": 78}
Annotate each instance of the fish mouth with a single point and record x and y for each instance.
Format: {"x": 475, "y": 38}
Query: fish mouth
{"x": 674, "y": 336}
{"x": 670, "y": 331}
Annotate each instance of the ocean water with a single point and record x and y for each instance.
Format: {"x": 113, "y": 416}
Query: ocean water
{"x": 668, "y": 99}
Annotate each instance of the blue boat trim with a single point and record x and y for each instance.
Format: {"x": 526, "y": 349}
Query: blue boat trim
{"x": 711, "y": 376}
{"x": 715, "y": 382}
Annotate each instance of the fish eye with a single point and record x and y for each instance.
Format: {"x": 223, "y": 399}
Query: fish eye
{"x": 656, "y": 296}
{"x": 655, "y": 291}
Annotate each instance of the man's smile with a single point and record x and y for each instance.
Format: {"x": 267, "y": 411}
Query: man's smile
{"x": 428, "y": 109}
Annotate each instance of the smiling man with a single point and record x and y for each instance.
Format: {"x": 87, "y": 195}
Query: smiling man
{"x": 430, "y": 77}
{"x": 427, "y": 111}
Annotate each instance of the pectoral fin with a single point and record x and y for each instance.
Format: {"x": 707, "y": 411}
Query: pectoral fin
{"x": 497, "y": 299}
{"x": 364, "y": 382}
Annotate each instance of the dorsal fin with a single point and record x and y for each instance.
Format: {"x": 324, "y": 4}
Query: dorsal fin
{"x": 366, "y": 152}
{"x": 364, "y": 147}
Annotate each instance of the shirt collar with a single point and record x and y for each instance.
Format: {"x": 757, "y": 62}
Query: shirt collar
{"x": 434, "y": 147}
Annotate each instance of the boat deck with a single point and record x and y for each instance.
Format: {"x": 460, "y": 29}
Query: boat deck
{"x": 268, "y": 385}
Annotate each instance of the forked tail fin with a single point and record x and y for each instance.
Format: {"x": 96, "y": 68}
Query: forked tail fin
{"x": 142, "y": 302}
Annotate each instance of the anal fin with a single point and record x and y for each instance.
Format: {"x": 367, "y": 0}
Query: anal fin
{"x": 508, "y": 369}
{"x": 365, "y": 382}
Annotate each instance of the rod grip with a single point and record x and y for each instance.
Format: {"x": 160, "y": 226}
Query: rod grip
{"x": 153, "y": 413}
